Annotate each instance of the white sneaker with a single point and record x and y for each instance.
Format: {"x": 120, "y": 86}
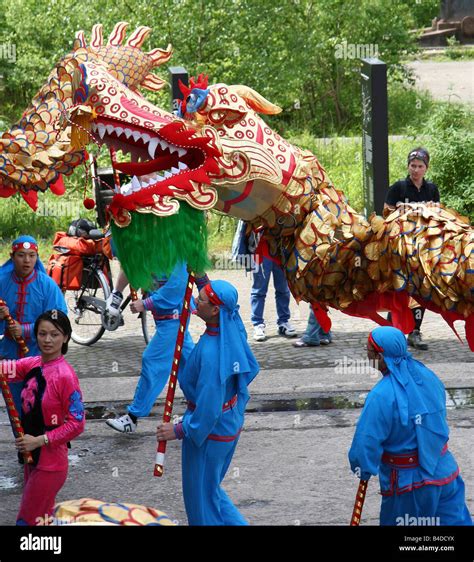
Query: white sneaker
{"x": 124, "y": 424}
{"x": 287, "y": 330}
{"x": 113, "y": 302}
{"x": 259, "y": 332}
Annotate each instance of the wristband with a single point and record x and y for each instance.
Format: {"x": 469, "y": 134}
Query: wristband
{"x": 178, "y": 430}
{"x": 46, "y": 440}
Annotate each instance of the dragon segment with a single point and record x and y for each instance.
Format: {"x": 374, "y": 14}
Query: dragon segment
{"x": 219, "y": 153}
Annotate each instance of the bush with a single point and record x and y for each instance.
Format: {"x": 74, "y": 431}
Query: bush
{"x": 408, "y": 108}
{"x": 452, "y": 149}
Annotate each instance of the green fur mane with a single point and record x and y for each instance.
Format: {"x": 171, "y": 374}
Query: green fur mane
{"x": 152, "y": 245}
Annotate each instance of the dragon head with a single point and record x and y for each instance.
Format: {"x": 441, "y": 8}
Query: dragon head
{"x": 92, "y": 95}
{"x": 169, "y": 159}
{"x": 256, "y": 165}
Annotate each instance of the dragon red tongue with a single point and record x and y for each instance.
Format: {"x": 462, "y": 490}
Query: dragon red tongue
{"x": 143, "y": 168}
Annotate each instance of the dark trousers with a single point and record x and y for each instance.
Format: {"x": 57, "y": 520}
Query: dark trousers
{"x": 418, "y": 314}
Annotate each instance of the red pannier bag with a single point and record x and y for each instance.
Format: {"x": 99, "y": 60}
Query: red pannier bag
{"x": 66, "y": 271}
{"x": 81, "y": 246}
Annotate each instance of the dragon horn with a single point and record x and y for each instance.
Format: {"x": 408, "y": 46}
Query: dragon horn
{"x": 138, "y": 37}
{"x": 97, "y": 39}
{"x": 118, "y": 34}
{"x": 160, "y": 56}
{"x": 80, "y": 40}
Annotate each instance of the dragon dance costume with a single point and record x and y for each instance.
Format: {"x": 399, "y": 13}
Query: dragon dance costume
{"x": 27, "y": 298}
{"x": 52, "y": 406}
{"x": 402, "y": 435}
{"x": 214, "y": 382}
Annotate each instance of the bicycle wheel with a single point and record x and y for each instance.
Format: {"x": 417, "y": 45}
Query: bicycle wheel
{"x": 148, "y": 325}
{"x": 84, "y": 309}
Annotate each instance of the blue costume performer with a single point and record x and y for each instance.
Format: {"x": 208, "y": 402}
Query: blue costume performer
{"x": 402, "y": 435}
{"x": 28, "y": 292}
{"x": 214, "y": 382}
{"x": 165, "y": 304}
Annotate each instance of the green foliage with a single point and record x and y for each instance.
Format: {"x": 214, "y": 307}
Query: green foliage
{"x": 452, "y": 149}
{"x": 286, "y": 50}
{"x": 422, "y": 12}
{"x": 221, "y": 230}
{"x": 408, "y": 108}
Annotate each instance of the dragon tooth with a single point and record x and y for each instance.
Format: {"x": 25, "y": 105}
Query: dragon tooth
{"x": 128, "y": 133}
{"x": 136, "y": 135}
{"x": 167, "y": 175}
{"x": 153, "y": 180}
{"x": 173, "y": 149}
{"x": 152, "y": 146}
{"x": 136, "y": 185}
{"x": 101, "y": 130}
{"x": 181, "y": 152}
{"x": 94, "y": 127}
{"x": 174, "y": 171}
{"x": 118, "y": 131}
{"x": 124, "y": 189}
{"x": 164, "y": 145}
{"x": 146, "y": 137}
{"x": 109, "y": 128}
{"x": 182, "y": 166}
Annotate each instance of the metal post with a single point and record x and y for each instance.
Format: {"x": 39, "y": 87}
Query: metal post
{"x": 374, "y": 134}
{"x": 177, "y": 73}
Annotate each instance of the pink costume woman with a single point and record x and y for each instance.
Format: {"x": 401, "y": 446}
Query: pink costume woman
{"x": 52, "y": 414}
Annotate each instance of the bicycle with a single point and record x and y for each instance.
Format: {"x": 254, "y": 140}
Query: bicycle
{"x": 86, "y": 304}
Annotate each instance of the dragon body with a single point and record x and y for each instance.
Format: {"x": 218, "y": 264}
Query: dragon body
{"x": 221, "y": 154}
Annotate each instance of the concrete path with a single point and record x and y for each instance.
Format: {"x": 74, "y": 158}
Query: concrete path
{"x": 446, "y": 81}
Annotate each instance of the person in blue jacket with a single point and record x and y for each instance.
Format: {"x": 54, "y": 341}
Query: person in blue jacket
{"x": 214, "y": 382}
{"x": 165, "y": 303}
{"x": 402, "y": 435}
{"x": 28, "y": 292}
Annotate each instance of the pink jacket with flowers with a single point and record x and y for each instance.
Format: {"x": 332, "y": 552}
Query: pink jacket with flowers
{"x": 61, "y": 405}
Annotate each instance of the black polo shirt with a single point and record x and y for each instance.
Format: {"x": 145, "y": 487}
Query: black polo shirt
{"x": 405, "y": 191}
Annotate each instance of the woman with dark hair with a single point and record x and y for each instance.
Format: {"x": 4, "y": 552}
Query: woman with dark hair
{"x": 414, "y": 189}
{"x": 52, "y": 414}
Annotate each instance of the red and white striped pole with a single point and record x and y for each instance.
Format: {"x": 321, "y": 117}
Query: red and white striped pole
{"x": 12, "y": 412}
{"x": 7, "y": 395}
{"x": 19, "y": 340}
{"x": 178, "y": 350}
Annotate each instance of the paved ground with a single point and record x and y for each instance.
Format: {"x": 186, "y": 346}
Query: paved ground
{"x": 452, "y": 81}
{"x": 291, "y": 465}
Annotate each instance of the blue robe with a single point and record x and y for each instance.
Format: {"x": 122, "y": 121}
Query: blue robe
{"x": 409, "y": 418}
{"x": 27, "y": 298}
{"x": 211, "y": 436}
{"x": 157, "y": 358}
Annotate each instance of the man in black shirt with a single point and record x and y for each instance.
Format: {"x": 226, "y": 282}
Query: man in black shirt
{"x": 413, "y": 189}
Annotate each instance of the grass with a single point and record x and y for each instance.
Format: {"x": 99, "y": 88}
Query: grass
{"x": 448, "y": 54}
